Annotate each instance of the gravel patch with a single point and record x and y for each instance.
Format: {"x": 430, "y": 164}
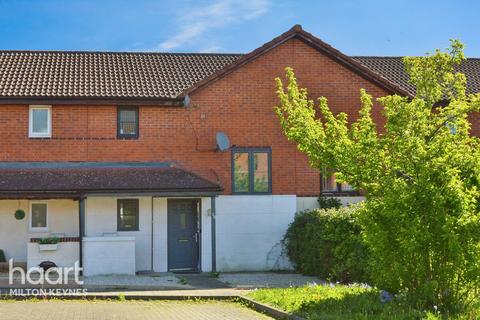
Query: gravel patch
{"x": 267, "y": 280}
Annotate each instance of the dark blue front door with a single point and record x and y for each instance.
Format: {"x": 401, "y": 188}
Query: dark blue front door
{"x": 183, "y": 235}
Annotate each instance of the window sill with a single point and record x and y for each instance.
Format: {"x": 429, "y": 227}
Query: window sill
{"x": 39, "y": 230}
{"x": 341, "y": 193}
{"x": 251, "y": 193}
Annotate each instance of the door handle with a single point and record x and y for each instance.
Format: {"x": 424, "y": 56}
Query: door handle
{"x": 196, "y": 237}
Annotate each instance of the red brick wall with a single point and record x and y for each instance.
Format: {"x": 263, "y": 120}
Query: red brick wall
{"x": 240, "y": 104}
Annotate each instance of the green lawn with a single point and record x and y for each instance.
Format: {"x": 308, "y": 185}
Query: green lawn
{"x": 342, "y": 302}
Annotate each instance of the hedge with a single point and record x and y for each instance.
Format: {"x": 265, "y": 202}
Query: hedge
{"x": 327, "y": 243}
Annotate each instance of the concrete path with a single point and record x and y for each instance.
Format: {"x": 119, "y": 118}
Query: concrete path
{"x": 177, "y": 282}
{"x": 254, "y": 280}
{"x": 141, "y": 310}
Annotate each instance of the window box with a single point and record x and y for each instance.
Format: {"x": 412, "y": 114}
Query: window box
{"x": 48, "y": 247}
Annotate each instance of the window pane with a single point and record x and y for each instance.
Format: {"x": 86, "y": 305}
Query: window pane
{"x": 346, "y": 187}
{"x": 260, "y": 172}
{"x": 128, "y": 122}
{"x": 241, "y": 174}
{"x": 39, "y": 215}
{"x": 128, "y": 214}
{"x": 329, "y": 183}
{"x": 183, "y": 220}
{"x": 40, "y": 121}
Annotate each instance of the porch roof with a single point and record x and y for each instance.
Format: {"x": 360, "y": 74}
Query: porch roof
{"x": 72, "y": 180}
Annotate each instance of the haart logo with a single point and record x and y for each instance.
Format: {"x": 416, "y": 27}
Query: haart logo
{"x": 39, "y": 276}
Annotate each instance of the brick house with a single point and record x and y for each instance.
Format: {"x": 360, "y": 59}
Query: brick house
{"x": 123, "y": 156}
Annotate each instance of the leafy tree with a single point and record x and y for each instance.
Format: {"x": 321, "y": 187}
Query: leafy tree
{"x": 420, "y": 174}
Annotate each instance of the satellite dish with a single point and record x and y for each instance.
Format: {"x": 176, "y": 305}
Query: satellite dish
{"x": 223, "y": 143}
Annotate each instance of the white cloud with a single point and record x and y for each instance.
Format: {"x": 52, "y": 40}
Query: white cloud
{"x": 195, "y": 22}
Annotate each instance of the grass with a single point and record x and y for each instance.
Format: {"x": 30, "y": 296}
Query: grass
{"x": 345, "y": 302}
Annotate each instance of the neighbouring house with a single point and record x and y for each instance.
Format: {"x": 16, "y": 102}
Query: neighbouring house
{"x": 164, "y": 161}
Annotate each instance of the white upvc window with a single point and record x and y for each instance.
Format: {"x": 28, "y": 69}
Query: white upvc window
{"x": 40, "y": 121}
{"x": 38, "y": 217}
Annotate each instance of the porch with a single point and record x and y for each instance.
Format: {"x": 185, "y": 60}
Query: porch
{"x": 76, "y": 215}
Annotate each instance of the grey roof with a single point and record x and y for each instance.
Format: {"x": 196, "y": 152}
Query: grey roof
{"x": 128, "y": 75}
{"x": 393, "y": 69}
{"x": 57, "y": 74}
{"x": 39, "y": 179}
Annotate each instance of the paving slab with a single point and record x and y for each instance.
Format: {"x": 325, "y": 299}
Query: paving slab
{"x": 119, "y": 310}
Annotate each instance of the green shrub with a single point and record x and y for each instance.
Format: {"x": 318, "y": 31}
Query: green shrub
{"x": 51, "y": 240}
{"x": 327, "y": 203}
{"x": 327, "y": 243}
{"x": 2, "y": 256}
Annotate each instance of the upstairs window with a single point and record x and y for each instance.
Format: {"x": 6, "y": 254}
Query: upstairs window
{"x": 127, "y": 122}
{"x": 40, "y": 122}
{"x": 331, "y": 185}
{"x": 251, "y": 170}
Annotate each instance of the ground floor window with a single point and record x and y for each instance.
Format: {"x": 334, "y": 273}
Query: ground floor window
{"x": 127, "y": 215}
{"x": 39, "y": 216}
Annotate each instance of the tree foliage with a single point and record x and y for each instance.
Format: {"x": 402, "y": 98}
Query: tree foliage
{"x": 420, "y": 174}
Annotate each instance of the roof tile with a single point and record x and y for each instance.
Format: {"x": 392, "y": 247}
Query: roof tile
{"x": 117, "y": 75}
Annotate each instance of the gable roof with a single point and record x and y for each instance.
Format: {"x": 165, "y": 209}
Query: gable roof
{"x": 74, "y": 77}
{"x": 299, "y": 33}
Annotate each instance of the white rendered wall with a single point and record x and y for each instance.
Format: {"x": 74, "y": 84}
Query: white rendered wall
{"x": 160, "y": 239}
{"x": 15, "y": 234}
{"x": 307, "y": 203}
{"x": 206, "y": 235}
{"x": 101, "y": 218}
{"x": 66, "y": 255}
{"x": 109, "y": 255}
{"x": 250, "y": 230}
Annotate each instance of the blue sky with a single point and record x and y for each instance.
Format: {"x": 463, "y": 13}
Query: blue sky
{"x": 362, "y": 27}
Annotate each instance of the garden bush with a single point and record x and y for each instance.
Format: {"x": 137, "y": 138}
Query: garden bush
{"x": 2, "y": 256}
{"x": 327, "y": 203}
{"x": 327, "y": 243}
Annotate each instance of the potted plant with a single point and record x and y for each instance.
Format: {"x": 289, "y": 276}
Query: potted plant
{"x": 48, "y": 244}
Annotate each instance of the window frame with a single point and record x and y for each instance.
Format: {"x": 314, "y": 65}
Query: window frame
{"x": 137, "y": 122}
{"x": 251, "y": 152}
{"x": 338, "y": 190}
{"x": 32, "y": 134}
{"x": 137, "y": 218}
{"x": 38, "y": 229}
